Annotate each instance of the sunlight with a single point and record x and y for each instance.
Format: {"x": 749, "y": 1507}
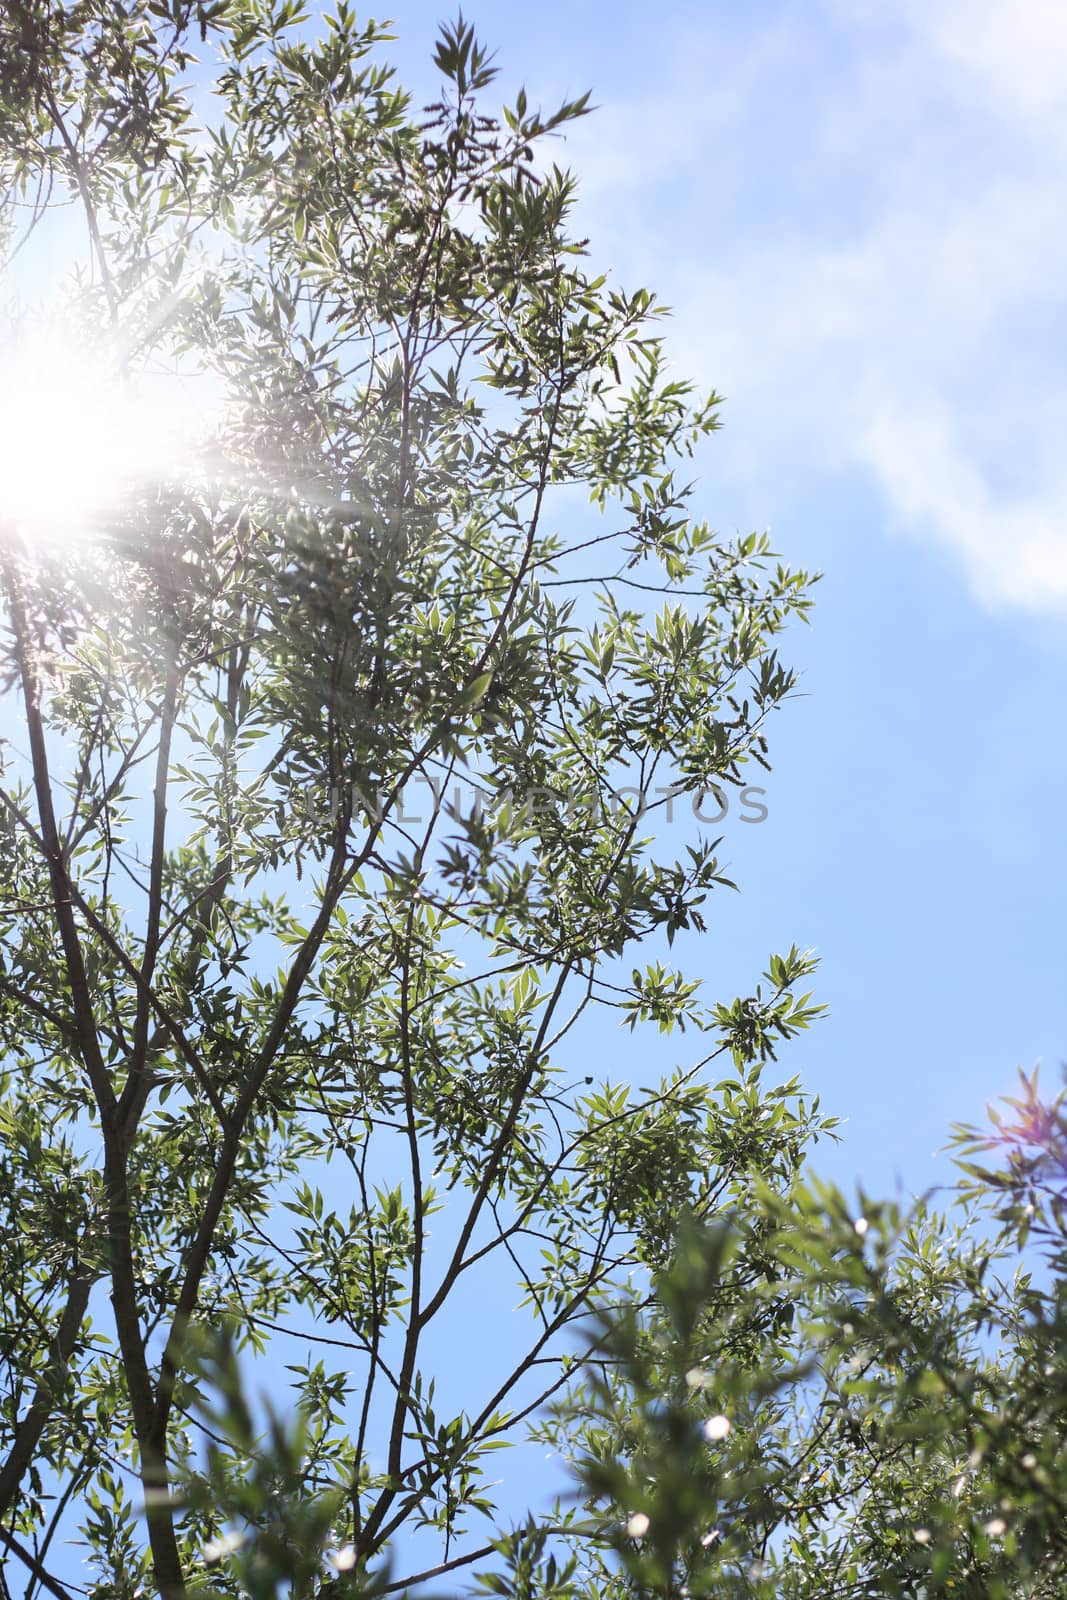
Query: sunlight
{"x": 78, "y": 437}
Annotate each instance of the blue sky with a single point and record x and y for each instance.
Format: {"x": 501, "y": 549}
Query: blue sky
{"x": 858, "y": 214}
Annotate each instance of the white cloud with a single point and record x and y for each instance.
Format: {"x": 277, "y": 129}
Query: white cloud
{"x": 1016, "y": 51}
{"x": 1014, "y": 547}
{"x": 902, "y": 308}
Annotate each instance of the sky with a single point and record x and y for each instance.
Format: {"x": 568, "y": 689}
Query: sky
{"x": 857, "y": 212}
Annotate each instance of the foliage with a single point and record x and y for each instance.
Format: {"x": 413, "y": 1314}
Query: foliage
{"x": 248, "y": 1081}
{"x": 882, "y": 1412}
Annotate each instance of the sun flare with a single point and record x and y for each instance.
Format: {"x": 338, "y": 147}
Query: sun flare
{"x": 79, "y": 436}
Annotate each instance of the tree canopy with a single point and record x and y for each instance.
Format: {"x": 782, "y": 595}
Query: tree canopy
{"x": 882, "y": 1414}
{"x": 363, "y": 641}
{"x": 280, "y": 1056}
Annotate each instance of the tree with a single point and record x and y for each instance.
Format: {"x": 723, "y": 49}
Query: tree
{"x": 248, "y": 1082}
{"x": 882, "y": 1415}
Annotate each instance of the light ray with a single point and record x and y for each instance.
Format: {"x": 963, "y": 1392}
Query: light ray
{"x": 80, "y": 435}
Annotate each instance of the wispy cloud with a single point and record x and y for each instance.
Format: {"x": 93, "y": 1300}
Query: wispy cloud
{"x": 874, "y": 260}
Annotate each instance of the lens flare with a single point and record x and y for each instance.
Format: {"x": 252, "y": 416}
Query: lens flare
{"x": 79, "y": 436}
